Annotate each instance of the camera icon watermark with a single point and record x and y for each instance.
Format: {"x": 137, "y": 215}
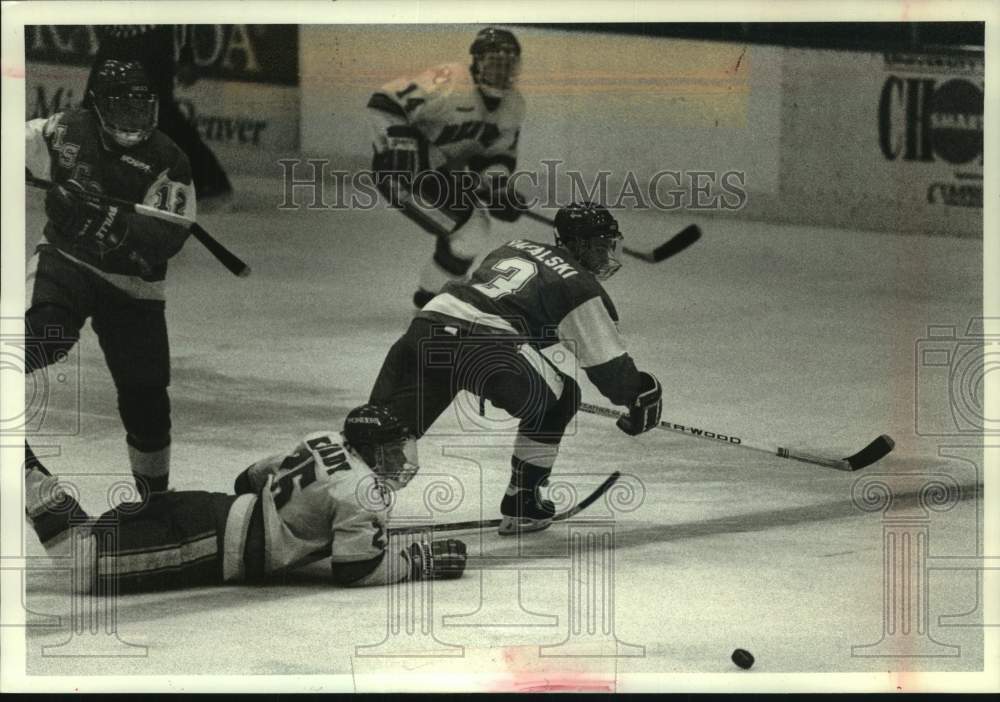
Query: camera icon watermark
{"x": 50, "y": 363}
{"x": 510, "y": 386}
{"x": 950, "y": 384}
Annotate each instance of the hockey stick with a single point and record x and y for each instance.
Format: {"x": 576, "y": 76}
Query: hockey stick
{"x": 871, "y": 453}
{"x": 671, "y": 247}
{"x": 488, "y": 523}
{"x": 687, "y": 236}
{"x": 226, "y": 257}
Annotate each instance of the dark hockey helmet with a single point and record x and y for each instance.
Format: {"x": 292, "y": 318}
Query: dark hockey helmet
{"x": 591, "y": 234}
{"x": 126, "y": 106}
{"x": 385, "y": 443}
{"x": 496, "y": 61}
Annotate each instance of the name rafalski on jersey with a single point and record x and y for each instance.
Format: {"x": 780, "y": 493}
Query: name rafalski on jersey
{"x": 557, "y": 263}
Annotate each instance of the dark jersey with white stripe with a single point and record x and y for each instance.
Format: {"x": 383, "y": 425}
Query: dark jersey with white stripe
{"x": 68, "y": 147}
{"x": 540, "y": 292}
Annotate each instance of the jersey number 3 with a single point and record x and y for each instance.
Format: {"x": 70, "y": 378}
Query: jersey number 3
{"x": 514, "y": 274}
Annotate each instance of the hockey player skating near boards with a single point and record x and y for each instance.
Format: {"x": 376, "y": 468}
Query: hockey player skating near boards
{"x": 153, "y": 47}
{"x": 484, "y": 335}
{"x": 442, "y": 135}
{"x": 330, "y": 497}
{"x": 97, "y": 261}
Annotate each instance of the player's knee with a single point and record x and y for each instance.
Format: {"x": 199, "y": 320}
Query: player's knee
{"x": 145, "y": 412}
{"x": 558, "y": 411}
{"x": 565, "y": 408}
{"x": 49, "y": 332}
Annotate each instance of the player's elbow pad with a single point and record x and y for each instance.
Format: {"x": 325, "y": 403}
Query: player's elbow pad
{"x": 618, "y": 379}
{"x": 243, "y": 484}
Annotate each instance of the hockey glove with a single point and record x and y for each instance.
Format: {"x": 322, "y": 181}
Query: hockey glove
{"x": 437, "y": 560}
{"x": 243, "y": 484}
{"x": 402, "y": 152}
{"x": 644, "y": 411}
{"x": 505, "y": 203}
{"x": 80, "y": 215}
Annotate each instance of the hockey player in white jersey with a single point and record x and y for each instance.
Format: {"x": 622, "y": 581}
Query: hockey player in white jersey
{"x": 445, "y": 142}
{"x": 330, "y": 497}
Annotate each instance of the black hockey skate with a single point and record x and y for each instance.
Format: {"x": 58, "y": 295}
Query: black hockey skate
{"x": 524, "y": 511}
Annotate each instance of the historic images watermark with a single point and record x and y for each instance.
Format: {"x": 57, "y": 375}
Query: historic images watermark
{"x": 72, "y": 564}
{"x": 52, "y": 390}
{"x": 950, "y": 380}
{"x": 950, "y": 371}
{"x": 312, "y": 184}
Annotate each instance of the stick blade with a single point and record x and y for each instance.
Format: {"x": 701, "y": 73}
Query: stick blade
{"x": 676, "y": 244}
{"x": 871, "y": 453}
{"x": 641, "y": 255}
{"x": 589, "y": 499}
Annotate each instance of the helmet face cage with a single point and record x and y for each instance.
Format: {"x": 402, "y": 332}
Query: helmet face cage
{"x": 128, "y": 116}
{"x": 125, "y": 105}
{"x": 596, "y": 254}
{"x": 498, "y": 69}
{"x": 386, "y": 445}
{"x": 496, "y": 61}
{"x": 396, "y": 462}
{"x": 591, "y": 234}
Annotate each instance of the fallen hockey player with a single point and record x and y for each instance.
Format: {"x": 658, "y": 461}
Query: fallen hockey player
{"x": 328, "y": 498}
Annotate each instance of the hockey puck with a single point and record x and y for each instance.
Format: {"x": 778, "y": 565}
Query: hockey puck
{"x": 743, "y": 658}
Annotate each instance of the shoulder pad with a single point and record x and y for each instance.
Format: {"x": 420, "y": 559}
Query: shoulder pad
{"x": 584, "y": 286}
{"x": 440, "y": 81}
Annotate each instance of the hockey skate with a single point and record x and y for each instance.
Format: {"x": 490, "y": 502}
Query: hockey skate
{"x": 524, "y": 511}
{"x": 48, "y": 506}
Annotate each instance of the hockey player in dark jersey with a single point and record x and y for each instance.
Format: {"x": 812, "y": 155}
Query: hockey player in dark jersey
{"x": 442, "y": 135}
{"x": 152, "y": 46}
{"x": 484, "y": 336}
{"x": 326, "y": 498}
{"x": 96, "y": 261}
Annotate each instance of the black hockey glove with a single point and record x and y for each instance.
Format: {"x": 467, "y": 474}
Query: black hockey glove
{"x": 504, "y": 202}
{"x": 437, "y": 560}
{"x": 403, "y": 153}
{"x": 79, "y": 215}
{"x": 243, "y": 484}
{"x": 644, "y": 411}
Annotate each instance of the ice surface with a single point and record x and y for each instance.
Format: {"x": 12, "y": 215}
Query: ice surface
{"x": 798, "y": 336}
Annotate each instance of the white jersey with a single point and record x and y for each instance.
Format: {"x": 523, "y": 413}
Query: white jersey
{"x": 448, "y": 109}
{"x": 319, "y": 501}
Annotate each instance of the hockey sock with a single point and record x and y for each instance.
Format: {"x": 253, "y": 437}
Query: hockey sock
{"x": 151, "y": 469}
{"x": 531, "y": 463}
{"x": 526, "y": 476}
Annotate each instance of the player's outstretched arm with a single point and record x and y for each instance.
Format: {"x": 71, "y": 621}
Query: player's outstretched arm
{"x": 442, "y": 559}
